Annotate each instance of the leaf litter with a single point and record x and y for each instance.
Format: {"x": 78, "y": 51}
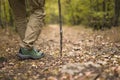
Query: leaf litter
{"x": 87, "y": 55}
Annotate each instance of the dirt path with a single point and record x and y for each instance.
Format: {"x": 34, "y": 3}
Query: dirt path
{"x": 87, "y": 55}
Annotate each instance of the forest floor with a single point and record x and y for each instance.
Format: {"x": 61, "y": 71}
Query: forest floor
{"x": 87, "y": 55}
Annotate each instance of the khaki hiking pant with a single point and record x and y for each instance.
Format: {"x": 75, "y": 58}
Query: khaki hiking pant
{"x": 30, "y": 29}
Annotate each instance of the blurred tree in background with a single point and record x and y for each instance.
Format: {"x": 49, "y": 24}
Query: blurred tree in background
{"x": 98, "y": 14}
{"x": 6, "y": 17}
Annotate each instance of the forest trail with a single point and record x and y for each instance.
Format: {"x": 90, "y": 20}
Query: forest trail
{"x": 87, "y": 55}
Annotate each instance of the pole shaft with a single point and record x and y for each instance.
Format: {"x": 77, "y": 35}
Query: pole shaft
{"x": 60, "y": 23}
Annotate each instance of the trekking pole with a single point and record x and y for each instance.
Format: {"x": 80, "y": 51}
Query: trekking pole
{"x": 60, "y": 23}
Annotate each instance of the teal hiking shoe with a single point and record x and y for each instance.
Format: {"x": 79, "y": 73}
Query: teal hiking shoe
{"x": 30, "y": 54}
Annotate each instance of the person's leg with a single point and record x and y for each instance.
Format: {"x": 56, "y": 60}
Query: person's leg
{"x": 33, "y": 30}
{"x": 33, "y": 26}
{"x": 35, "y": 22}
{"x": 19, "y": 10}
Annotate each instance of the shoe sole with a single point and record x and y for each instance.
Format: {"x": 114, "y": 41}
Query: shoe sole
{"x": 29, "y": 57}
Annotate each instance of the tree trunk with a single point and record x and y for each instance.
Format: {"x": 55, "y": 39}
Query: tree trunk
{"x": 104, "y": 11}
{"x": 0, "y": 15}
{"x": 73, "y": 19}
{"x": 11, "y": 21}
{"x": 116, "y": 12}
{"x": 97, "y": 5}
{"x": 5, "y": 13}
